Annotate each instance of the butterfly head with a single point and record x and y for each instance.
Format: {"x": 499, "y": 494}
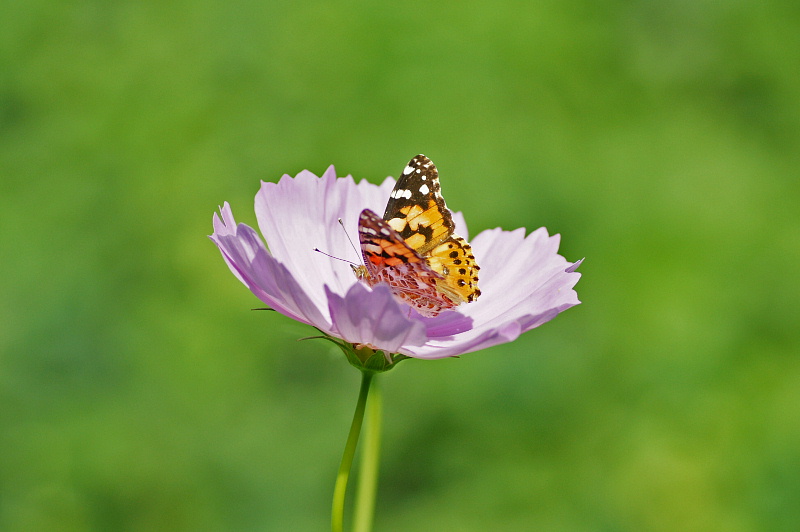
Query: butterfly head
{"x": 360, "y": 271}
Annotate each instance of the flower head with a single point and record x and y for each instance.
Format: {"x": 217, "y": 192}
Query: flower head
{"x": 524, "y": 282}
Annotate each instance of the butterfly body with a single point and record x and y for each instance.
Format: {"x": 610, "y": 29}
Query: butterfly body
{"x": 413, "y": 248}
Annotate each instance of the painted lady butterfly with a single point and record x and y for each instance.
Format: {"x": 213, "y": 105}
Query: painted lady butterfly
{"x": 413, "y": 248}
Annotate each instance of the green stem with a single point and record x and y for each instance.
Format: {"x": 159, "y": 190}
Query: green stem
{"x": 368, "y": 470}
{"x": 340, "y": 489}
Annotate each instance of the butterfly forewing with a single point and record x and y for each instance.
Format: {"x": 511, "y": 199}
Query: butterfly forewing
{"x": 416, "y": 208}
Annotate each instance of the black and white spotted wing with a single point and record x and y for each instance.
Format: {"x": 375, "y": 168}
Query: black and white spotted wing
{"x": 416, "y": 208}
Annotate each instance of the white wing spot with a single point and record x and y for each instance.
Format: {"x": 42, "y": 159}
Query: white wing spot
{"x": 407, "y": 170}
{"x": 401, "y": 193}
{"x": 424, "y": 189}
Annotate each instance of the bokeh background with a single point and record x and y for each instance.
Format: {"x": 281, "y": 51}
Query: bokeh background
{"x": 138, "y": 392}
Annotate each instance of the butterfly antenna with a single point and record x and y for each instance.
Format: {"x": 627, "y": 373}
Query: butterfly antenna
{"x": 358, "y": 268}
{"x": 337, "y": 258}
{"x": 350, "y": 240}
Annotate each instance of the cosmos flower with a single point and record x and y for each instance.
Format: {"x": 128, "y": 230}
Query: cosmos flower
{"x": 524, "y": 281}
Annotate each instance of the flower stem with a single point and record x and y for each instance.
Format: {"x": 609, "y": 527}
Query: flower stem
{"x": 340, "y": 489}
{"x": 368, "y": 469}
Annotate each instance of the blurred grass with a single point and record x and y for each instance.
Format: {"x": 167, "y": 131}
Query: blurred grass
{"x": 138, "y": 391}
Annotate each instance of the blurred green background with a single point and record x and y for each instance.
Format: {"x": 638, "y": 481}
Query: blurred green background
{"x": 138, "y": 392}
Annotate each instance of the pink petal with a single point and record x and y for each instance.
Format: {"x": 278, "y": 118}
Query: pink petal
{"x": 270, "y": 281}
{"x": 523, "y": 283}
{"x": 374, "y": 317}
{"x": 299, "y": 214}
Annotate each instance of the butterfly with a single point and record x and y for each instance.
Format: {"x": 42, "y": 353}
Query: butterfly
{"x": 414, "y": 249}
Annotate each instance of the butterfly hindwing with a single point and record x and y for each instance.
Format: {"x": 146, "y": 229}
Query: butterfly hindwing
{"x": 454, "y": 261}
{"x": 388, "y": 259}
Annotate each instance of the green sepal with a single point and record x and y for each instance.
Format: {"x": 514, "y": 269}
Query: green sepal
{"x": 378, "y": 361}
{"x": 364, "y": 358}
